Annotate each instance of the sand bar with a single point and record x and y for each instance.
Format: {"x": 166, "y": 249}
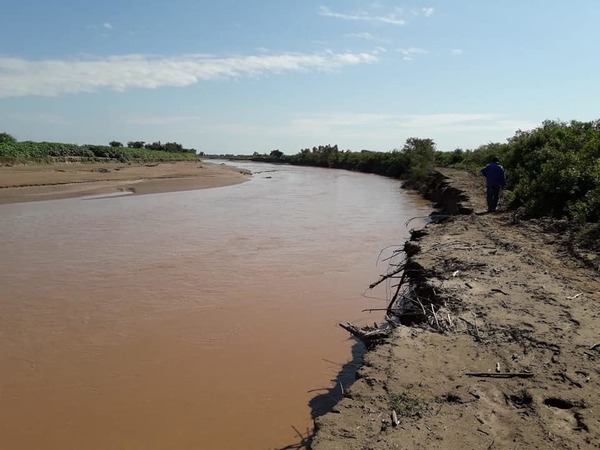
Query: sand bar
{"x": 26, "y": 183}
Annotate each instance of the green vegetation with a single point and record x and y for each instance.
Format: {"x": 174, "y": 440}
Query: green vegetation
{"x": 413, "y": 162}
{"x": 407, "y": 406}
{"x": 13, "y": 151}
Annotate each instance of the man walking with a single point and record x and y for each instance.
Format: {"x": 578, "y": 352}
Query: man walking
{"x": 496, "y": 179}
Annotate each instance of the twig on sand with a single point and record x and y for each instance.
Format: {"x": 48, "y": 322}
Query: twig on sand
{"x": 500, "y": 375}
{"x": 592, "y": 347}
{"x": 476, "y": 327}
{"x": 435, "y": 317}
{"x": 466, "y": 321}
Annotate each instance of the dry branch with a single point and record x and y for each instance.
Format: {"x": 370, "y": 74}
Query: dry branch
{"x": 500, "y": 375}
{"x": 368, "y": 335}
{"x": 386, "y": 276}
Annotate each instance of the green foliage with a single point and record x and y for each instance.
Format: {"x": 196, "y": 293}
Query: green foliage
{"x": 5, "y": 137}
{"x": 135, "y": 144}
{"x": 421, "y": 157}
{"x": 115, "y": 144}
{"x": 555, "y": 170}
{"x": 45, "y": 151}
{"x": 413, "y": 163}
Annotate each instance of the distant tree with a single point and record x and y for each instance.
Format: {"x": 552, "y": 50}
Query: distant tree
{"x": 5, "y": 137}
{"x": 115, "y": 144}
{"x": 135, "y": 144}
{"x": 173, "y": 147}
{"x": 154, "y": 146}
{"x": 421, "y": 157}
{"x": 276, "y": 154}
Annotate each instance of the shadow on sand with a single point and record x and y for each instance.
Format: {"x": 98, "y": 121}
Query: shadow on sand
{"x": 329, "y": 397}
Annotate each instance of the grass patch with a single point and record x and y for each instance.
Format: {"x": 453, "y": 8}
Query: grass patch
{"x": 448, "y": 398}
{"x": 407, "y": 406}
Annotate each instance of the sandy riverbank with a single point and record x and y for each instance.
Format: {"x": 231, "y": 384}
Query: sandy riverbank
{"x": 510, "y": 360}
{"x": 26, "y": 183}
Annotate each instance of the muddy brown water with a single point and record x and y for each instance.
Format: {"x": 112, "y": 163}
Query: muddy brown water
{"x": 191, "y": 320}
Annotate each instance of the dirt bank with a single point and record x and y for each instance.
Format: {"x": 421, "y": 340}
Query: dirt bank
{"x": 511, "y": 358}
{"x": 25, "y": 183}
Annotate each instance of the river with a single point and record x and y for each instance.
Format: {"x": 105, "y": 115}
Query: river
{"x": 189, "y": 320}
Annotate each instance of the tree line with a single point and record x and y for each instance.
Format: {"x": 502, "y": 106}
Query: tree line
{"x": 173, "y": 147}
{"x": 12, "y": 150}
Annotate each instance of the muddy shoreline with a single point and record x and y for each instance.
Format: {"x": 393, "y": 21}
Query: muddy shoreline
{"x": 511, "y": 358}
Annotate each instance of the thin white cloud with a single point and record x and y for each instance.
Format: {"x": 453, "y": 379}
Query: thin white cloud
{"x": 457, "y": 51}
{"x": 19, "y": 77}
{"x": 372, "y": 124}
{"x": 367, "y": 37}
{"x": 408, "y": 54}
{"x": 107, "y": 25}
{"x": 427, "y": 12}
{"x": 393, "y": 18}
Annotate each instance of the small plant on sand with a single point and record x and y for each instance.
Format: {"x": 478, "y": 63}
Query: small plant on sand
{"x": 407, "y": 406}
{"x": 448, "y": 397}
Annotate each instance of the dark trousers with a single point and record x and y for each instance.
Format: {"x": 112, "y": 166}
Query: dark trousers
{"x": 493, "y": 193}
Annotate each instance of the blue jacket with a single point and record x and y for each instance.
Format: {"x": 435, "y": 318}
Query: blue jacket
{"x": 494, "y": 174}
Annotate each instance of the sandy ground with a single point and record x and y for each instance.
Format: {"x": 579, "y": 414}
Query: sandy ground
{"x": 518, "y": 302}
{"x": 25, "y": 183}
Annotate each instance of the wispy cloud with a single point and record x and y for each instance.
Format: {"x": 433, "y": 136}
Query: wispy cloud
{"x": 367, "y": 37}
{"x": 107, "y": 25}
{"x": 408, "y": 54}
{"x": 427, "y": 12}
{"x": 19, "y": 77}
{"x": 365, "y": 124}
{"x": 457, "y": 51}
{"x": 392, "y": 18}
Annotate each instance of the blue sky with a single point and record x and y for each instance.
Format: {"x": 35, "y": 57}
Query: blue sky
{"x": 244, "y": 76}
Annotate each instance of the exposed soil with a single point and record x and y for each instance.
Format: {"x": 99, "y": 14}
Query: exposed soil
{"x": 516, "y": 307}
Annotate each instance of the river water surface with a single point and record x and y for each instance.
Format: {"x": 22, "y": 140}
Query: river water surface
{"x": 189, "y": 320}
